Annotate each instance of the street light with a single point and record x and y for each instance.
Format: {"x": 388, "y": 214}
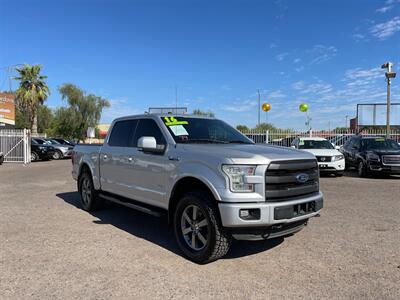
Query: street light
{"x": 389, "y": 75}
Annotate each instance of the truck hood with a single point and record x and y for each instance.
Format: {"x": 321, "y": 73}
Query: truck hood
{"x": 323, "y": 152}
{"x": 247, "y": 154}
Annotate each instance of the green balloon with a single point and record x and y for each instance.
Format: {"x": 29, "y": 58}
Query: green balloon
{"x": 303, "y": 107}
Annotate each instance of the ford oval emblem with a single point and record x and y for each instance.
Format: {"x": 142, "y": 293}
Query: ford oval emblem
{"x": 302, "y": 177}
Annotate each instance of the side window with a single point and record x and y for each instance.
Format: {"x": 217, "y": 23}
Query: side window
{"x": 148, "y": 127}
{"x": 121, "y": 133}
{"x": 349, "y": 144}
{"x": 357, "y": 144}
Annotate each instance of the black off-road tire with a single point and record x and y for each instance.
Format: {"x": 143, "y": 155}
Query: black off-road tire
{"x": 90, "y": 199}
{"x": 218, "y": 240}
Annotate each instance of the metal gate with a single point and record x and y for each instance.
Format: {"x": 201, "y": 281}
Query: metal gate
{"x": 15, "y": 145}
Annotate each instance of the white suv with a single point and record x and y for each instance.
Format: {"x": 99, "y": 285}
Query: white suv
{"x": 330, "y": 160}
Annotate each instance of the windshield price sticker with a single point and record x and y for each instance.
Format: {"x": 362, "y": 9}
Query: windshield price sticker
{"x": 178, "y": 130}
{"x": 379, "y": 140}
{"x": 301, "y": 142}
{"x": 169, "y": 121}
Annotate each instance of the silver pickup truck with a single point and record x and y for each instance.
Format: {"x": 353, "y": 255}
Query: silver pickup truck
{"x": 213, "y": 183}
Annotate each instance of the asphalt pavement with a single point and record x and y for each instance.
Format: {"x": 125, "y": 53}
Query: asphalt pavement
{"x": 51, "y": 249}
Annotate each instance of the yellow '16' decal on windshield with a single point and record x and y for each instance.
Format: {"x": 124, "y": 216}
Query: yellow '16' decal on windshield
{"x": 172, "y": 121}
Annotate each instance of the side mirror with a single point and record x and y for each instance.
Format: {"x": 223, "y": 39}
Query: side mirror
{"x": 294, "y": 147}
{"x": 338, "y": 147}
{"x": 149, "y": 144}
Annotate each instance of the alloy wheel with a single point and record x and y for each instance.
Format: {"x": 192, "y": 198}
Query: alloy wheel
{"x": 86, "y": 191}
{"x": 195, "y": 227}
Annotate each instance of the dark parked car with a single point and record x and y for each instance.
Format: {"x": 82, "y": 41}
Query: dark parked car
{"x": 1, "y": 158}
{"x": 372, "y": 155}
{"x": 64, "y": 141}
{"x": 41, "y": 150}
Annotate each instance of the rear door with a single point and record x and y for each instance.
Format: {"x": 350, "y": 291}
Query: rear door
{"x": 115, "y": 158}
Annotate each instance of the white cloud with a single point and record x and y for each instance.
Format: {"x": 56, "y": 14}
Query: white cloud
{"x": 386, "y": 29}
{"x": 298, "y": 85}
{"x": 281, "y": 56}
{"x": 384, "y": 9}
{"x": 359, "y": 37}
{"x": 296, "y": 60}
{"x": 276, "y": 94}
{"x": 362, "y": 74}
{"x": 299, "y": 69}
{"x": 273, "y": 45}
{"x": 322, "y": 53}
{"x": 240, "y": 106}
{"x": 225, "y": 87}
{"x": 118, "y": 108}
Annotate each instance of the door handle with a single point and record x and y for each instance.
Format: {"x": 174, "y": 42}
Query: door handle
{"x": 105, "y": 157}
{"x": 130, "y": 159}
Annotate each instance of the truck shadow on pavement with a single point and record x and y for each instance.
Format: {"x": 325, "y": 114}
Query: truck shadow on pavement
{"x": 157, "y": 230}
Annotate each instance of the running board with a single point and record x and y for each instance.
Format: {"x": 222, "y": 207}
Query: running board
{"x": 157, "y": 212}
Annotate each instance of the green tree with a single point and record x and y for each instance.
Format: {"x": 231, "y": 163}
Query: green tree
{"x": 31, "y": 93}
{"x": 200, "y": 112}
{"x": 83, "y": 111}
{"x": 242, "y": 128}
{"x": 265, "y": 127}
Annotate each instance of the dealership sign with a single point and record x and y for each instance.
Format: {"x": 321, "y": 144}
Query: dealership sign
{"x": 7, "y": 108}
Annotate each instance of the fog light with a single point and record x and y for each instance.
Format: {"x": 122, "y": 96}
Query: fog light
{"x": 250, "y": 214}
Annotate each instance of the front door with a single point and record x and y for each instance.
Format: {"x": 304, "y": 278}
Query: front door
{"x": 147, "y": 179}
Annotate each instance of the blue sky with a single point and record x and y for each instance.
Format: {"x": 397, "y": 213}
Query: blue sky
{"x": 218, "y": 53}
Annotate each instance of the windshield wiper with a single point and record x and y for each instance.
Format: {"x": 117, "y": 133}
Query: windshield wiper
{"x": 211, "y": 141}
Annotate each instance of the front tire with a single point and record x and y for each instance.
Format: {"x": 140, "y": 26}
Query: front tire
{"x": 90, "y": 199}
{"x": 34, "y": 156}
{"x": 57, "y": 155}
{"x": 362, "y": 169}
{"x": 197, "y": 229}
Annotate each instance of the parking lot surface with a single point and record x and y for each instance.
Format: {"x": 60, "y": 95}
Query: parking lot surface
{"x": 51, "y": 249}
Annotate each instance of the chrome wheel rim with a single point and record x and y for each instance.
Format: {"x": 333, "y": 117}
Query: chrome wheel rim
{"x": 86, "y": 191}
{"x": 33, "y": 157}
{"x": 56, "y": 155}
{"x": 360, "y": 168}
{"x": 195, "y": 227}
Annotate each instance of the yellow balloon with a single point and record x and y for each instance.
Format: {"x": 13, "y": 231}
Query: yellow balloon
{"x": 266, "y": 107}
{"x": 303, "y": 107}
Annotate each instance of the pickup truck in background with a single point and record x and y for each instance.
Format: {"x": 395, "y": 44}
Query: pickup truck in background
{"x": 213, "y": 183}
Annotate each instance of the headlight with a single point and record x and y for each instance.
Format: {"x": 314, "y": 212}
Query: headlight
{"x": 373, "y": 156}
{"x": 338, "y": 157}
{"x": 236, "y": 175}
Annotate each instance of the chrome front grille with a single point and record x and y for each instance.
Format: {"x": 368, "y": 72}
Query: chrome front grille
{"x": 324, "y": 158}
{"x": 285, "y": 180}
{"x": 391, "y": 160}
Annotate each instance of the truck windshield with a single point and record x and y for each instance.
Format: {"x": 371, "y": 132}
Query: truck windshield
{"x": 315, "y": 144}
{"x": 380, "y": 144}
{"x": 203, "y": 131}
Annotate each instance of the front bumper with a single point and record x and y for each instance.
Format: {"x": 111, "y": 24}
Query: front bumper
{"x": 334, "y": 166}
{"x": 271, "y": 213}
{"x": 387, "y": 169}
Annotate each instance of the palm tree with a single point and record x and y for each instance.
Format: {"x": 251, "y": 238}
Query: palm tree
{"x": 32, "y": 91}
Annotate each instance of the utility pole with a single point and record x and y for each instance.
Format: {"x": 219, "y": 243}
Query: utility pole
{"x": 259, "y": 106}
{"x": 176, "y": 99}
{"x": 389, "y": 75}
{"x": 345, "y": 126}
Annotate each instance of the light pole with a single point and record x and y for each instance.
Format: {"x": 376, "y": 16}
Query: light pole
{"x": 389, "y": 75}
{"x": 259, "y": 106}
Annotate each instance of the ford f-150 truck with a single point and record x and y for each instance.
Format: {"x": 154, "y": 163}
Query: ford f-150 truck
{"x": 213, "y": 183}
